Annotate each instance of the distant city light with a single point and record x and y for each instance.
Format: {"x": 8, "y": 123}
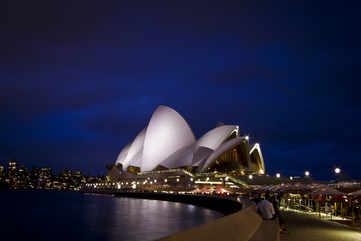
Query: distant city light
{"x": 261, "y": 171}
{"x": 291, "y": 178}
{"x": 165, "y": 180}
{"x": 191, "y": 179}
{"x": 250, "y": 176}
{"x": 177, "y": 179}
{"x": 278, "y": 175}
{"x": 307, "y": 173}
{"x": 337, "y": 170}
{"x": 247, "y": 138}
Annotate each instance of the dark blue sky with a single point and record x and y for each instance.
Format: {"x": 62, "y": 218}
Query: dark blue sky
{"x": 79, "y": 79}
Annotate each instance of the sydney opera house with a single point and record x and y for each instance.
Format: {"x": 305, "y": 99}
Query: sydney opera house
{"x": 168, "y": 143}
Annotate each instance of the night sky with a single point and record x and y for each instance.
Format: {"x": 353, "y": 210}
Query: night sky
{"x": 80, "y": 79}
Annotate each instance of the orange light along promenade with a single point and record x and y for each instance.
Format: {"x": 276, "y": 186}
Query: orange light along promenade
{"x": 241, "y": 223}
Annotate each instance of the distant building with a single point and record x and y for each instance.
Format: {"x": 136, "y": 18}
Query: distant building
{"x": 2, "y": 171}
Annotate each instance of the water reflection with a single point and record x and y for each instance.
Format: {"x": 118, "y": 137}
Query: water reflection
{"x": 59, "y": 216}
{"x": 137, "y": 219}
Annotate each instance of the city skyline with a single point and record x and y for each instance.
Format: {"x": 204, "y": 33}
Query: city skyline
{"x": 76, "y": 88}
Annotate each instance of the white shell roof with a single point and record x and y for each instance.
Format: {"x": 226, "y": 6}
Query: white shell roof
{"x": 134, "y": 148}
{"x": 180, "y": 158}
{"x": 169, "y": 141}
{"x": 166, "y": 133}
{"x": 256, "y": 147}
{"x": 215, "y": 137}
{"x": 123, "y": 154}
{"x": 200, "y": 155}
{"x": 137, "y": 159}
{"x": 224, "y": 147}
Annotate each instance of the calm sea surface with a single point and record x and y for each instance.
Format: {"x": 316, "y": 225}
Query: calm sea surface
{"x": 46, "y": 215}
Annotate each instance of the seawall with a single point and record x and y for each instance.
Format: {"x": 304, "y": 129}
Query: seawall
{"x": 220, "y": 204}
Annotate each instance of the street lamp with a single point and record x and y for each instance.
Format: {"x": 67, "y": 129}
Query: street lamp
{"x": 307, "y": 173}
{"x": 337, "y": 170}
{"x": 278, "y": 175}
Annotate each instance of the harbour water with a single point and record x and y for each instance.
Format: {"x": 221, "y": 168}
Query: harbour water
{"x": 60, "y": 216}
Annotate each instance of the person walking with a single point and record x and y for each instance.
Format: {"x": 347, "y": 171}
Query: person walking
{"x": 265, "y": 209}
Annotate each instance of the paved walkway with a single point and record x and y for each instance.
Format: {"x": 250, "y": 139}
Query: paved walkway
{"x": 302, "y": 227}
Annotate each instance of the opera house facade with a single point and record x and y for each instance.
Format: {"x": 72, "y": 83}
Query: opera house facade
{"x": 168, "y": 143}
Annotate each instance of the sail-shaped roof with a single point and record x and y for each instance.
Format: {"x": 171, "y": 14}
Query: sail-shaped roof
{"x": 166, "y": 133}
{"x": 215, "y": 137}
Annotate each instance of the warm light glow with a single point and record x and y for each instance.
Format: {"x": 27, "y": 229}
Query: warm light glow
{"x": 177, "y": 179}
{"x": 165, "y": 180}
{"x": 208, "y": 182}
{"x": 307, "y": 173}
{"x": 291, "y": 178}
{"x": 247, "y": 138}
{"x": 191, "y": 179}
{"x": 261, "y": 171}
{"x": 278, "y": 175}
{"x": 337, "y": 170}
{"x": 250, "y": 176}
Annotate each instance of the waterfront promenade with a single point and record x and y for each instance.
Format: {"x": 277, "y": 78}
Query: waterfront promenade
{"x": 247, "y": 225}
{"x": 302, "y": 227}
